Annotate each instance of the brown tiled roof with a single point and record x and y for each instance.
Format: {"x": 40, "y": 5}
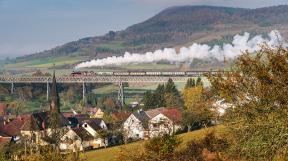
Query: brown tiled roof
{"x": 83, "y": 134}
{"x": 4, "y": 141}
{"x": 3, "y": 135}
{"x": 120, "y": 116}
{"x": 153, "y": 112}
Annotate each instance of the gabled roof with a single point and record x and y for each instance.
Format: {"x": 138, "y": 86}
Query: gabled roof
{"x": 141, "y": 116}
{"x": 173, "y": 114}
{"x": 95, "y": 123}
{"x": 120, "y": 116}
{"x": 41, "y": 120}
{"x": 14, "y": 127}
{"x": 83, "y": 134}
{"x": 154, "y": 112}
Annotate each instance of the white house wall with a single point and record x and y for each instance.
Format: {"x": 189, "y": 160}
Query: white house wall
{"x": 133, "y": 128}
{"x": 160, "y": 125}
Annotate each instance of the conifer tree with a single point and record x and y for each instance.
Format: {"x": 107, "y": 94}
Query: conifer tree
{"x": 199, "y": 82}
{"x": 159, "y": 95}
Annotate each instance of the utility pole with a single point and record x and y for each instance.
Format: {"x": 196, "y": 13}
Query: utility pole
{"x": 121, "y": 94}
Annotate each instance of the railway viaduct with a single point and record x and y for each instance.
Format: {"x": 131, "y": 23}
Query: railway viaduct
{"x": 97, "y": 79}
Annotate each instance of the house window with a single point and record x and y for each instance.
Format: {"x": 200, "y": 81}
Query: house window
{"x": 85, "y": 125}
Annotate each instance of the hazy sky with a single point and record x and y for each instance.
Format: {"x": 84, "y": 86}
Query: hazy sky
{"x": 28, "y": 26}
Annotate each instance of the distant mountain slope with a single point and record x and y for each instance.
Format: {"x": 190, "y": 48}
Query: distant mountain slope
{"x": 174, "y": 27}
{"x": 188, "y": 19}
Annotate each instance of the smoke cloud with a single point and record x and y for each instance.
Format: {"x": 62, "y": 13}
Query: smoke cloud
{"x": 239, "y": 44}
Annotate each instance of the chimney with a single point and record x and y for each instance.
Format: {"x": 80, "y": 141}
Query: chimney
{"x": 140, "y": 110}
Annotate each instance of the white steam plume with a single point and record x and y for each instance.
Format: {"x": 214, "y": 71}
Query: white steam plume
{"x": 240, "y": 43}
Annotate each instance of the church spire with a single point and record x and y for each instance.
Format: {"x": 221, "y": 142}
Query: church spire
{"x": 54, "y": 96}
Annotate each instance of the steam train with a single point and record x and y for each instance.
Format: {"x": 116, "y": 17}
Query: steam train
{"x": 140, "y": 73}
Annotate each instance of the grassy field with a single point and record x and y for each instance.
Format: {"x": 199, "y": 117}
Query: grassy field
{"x": 109, "y": 154}
{"x": 135, "y": 91}
{"x": 47, "y": 62}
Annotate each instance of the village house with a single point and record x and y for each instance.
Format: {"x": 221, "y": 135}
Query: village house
{"x": 167, "y": 121}
{"x": 95, "y": 127}
{"x": 76, "y": 139}
{"x": 151, "y": 123}
{"x": 95, "y": 112}
{"x": 136, "y": 126}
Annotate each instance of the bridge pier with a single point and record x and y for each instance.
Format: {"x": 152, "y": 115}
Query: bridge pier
{"x": 121, "y": 94}
{"x": 47, "y": 92}
{"x": 83, "y": 91}
{"x": 12, "y": 87}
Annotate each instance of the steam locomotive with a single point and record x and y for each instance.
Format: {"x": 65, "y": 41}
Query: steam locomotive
{"x": 140, "y": 73}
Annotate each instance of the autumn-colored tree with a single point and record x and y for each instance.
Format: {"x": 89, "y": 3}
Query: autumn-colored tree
{"x": 160, "y": 148}
{"x": 198, "y": 111}
{"x": 191, "y": 96}
{"x": 18, "y": 106}
{"x": 257, "y": 88}
{"x": 109, "y": 102}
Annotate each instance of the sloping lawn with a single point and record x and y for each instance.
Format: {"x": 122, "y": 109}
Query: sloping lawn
{"x": 109, "y": 154}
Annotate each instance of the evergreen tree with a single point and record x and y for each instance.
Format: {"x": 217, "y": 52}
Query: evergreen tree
{"x": 172, "y": 95}
{"x": 148, "y": 100}
{"x": 170, "y": 87}
{"x": 159, "y": 95}
{"x": 199, "y": 82}
{"x": 190, "y": 83}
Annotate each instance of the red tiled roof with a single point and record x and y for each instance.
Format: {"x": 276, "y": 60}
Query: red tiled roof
{"x": 68, "y": 114}
{"x": 2, "y": 108}
{"x": 83, "y": 134}
{"x": 14, "y": 127}
{"x": 173, "y": 114}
